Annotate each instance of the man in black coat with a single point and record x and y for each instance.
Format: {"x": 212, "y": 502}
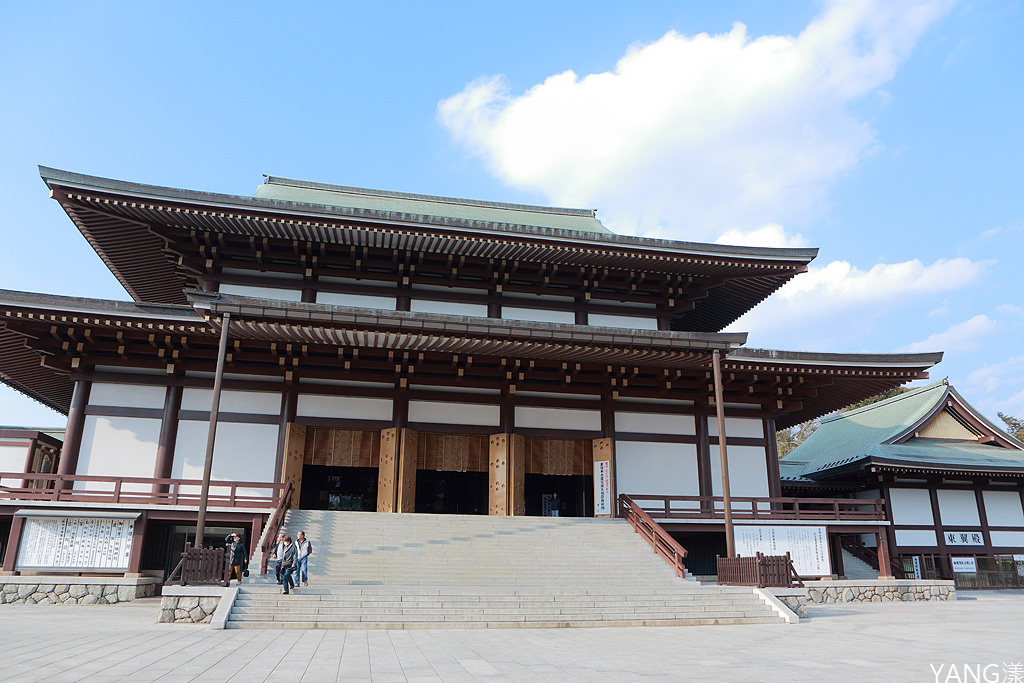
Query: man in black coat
{"x": 237, "y": 557}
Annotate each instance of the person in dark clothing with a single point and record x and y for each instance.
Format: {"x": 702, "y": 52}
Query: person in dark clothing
{"x": 238, "y": 558}
{"x": 287, "y": 560}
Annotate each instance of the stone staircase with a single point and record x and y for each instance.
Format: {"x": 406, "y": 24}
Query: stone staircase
{"x": 372, "y": 570}
{"x": 856, "y": 568}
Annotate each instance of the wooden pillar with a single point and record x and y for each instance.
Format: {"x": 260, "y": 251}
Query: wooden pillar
{"x": 517, "y": 475}
{"x": 168, "y": 438}
{"x": 211, "y": 434}
{"x": 13, "y": 541}
{"x": 405, "y": 501}
{"x": 704, "y": 485}
{"x": 497, "y": 473}
{"x": 771, "y": 450}
{"x": 604, "y": 478}
{"x": 387, "y": 471}
{"x": 293, "y": 458}
{"x": 138, "y": 533}
{"x": 29, "y": 462}
{"x": 254, "y": 536}
{"x": 837, "y": 555}
{"x": 73, "y": 433}
{"x": 884, "y": 570}
{"x": 730, "y": 539}
{"x": 288, "y": 410}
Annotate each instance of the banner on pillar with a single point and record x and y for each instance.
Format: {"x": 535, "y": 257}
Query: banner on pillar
{"x": 807, "y": 546}
{"x": 602, "y": 487}
{"x": 75, "y": 544}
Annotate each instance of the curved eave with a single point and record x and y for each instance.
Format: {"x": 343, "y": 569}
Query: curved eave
{"x": 849, "y": 377}
{"x": 121, "y": 221}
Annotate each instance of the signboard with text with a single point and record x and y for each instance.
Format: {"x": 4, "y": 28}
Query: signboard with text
{"x": 964, "y": 565}
{"x": 602, "y": 487}
{"x": 75, "y": 544}
{"x": 807, "y": 546}
{"x": 963, "y": 538}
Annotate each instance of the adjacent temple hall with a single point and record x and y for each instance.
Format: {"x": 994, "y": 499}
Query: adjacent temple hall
{"x": 399, "y": 353}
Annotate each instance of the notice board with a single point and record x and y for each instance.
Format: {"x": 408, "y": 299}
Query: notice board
{"x": 807, "y": 546}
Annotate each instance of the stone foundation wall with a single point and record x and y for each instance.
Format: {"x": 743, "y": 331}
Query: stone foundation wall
{"x": 797, "y": 603}
{"x": 72, "y": 593}
{"x": 187, "y": 609}
{"x": 879, "y": 591}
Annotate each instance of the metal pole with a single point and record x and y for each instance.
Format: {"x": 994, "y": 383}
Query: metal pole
{"x": 218, "y": 380}
{"x": 730, "y": 536}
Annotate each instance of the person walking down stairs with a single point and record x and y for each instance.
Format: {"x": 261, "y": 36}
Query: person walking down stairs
{"x": 287, "y": 563}
{"x": 303, "y": 549}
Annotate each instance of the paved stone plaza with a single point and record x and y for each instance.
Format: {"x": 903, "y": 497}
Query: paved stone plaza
{"x": 849, "y": 643}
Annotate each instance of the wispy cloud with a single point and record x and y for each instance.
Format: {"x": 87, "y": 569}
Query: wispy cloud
{"x": 965, "y": 336}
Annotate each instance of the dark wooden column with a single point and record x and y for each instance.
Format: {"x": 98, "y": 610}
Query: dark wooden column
{"x": 771, "y": 450}
{"x": 168, "y": 437}
{"x": 882, "y": 547}
{"x": 983, "y": 518}
{"x": 289, "y": 402}
{"x": 704, "y": 485}
{"x": 13, "y": 541}
{"x": 73, "y": 433}
{"x": 32, "y": 445}
{"x": 138, "y": 534}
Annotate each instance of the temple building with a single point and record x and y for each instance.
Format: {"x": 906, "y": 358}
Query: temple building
{"x": 952, "y": 481}
{"x": 395, "y": 352}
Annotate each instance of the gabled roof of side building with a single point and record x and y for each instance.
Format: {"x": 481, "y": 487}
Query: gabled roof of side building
{"x": 899, "y": 432}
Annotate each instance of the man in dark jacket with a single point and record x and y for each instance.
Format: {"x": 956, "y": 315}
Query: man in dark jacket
{"x": 237, "y": 557}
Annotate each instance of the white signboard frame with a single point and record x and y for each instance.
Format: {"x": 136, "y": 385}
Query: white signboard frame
{"x": 963, "y": 538}
{"x": 602, "y": 487}
{"x": 807, "y": 546}
{"x": 76, "y": 543}
{"x": 964, "y": 565}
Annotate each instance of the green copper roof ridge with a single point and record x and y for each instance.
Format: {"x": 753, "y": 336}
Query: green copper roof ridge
{"x": 912, "y": 393}
{"x": 438, "y": 199}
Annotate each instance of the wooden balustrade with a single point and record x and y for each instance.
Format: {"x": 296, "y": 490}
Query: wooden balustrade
{"x": 767, "y": 509}
{"x": 763, "y": 571}
{"x": 79, "y": 488}
{"x": 273, "y": 527}
{"x": 651, "y": 531}
{"x": 201, "y": 566}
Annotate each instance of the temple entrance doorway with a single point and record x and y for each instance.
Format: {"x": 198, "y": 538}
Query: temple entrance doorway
{"x": 325, "y": 487}
{"x": 451, "y": 473}
{"x": 562, "y": 466}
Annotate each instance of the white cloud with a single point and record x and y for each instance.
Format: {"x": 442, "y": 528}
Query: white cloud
{"x": 965, "y": 336}
{"x": 691, "y": 136}
{"x": 992, "y": 377}
{"x": 826, "y": 307}
{"x": 939, "y": 311}
{"x": 770, "y": 235}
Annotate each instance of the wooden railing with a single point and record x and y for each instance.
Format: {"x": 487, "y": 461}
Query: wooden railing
{"x": 201, "y": 566}
{"x": 853, "y": 545}
{"x": 746, "y": 508}
{"x": 273, "y": 526}
{"x": 80, "y": 488}
{"x": 651, "y": 531}
{"x": 762, "y": 571}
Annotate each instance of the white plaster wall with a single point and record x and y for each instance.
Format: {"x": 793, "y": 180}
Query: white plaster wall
{"x": 12, "y": 459}
{"x": 1002, "y": 508}
{"x": 747, "y": 427}
{"x": 748, "y": 472}
{"x": 558, "y": 418}
{"x": 118, "y": 446}
{"x": 911, "y": 506}
{"x": 248, "y": 402}
{"x": 667, "y": 469}
{"x": 959, "y": 508}
{"x": 241, "y": 452}
{"x": 655, "y": 423}
{"x": 1007, "y": 539}
{"x": 630, "y": 322}
{"x": 448, "y": 307}
{"x": 348, "y": 407}
{"x": 278, "y": 293}
{"x": 436, "y": 412}
{"x": 538, "y": 315}
{"x": 127, "y": 395}
{"x": 907, "y": 537}
{"x": 387, "y": 303}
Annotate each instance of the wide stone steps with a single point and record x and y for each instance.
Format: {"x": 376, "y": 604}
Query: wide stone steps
{"x": 395, "y": 571}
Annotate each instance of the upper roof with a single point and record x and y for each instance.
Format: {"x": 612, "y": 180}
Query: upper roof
{"x": 136, "y": 230}
{"x": 895, "y": 432}
{"x": 386, "y": 202}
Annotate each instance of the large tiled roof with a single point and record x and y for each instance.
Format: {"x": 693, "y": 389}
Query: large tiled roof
{"x": 883, "y": 432}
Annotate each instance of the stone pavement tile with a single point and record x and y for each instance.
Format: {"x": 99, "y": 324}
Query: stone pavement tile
{"x": 326, "y": 661}
{"x": 76, "y": 663}
{"x": 260, "y": 664}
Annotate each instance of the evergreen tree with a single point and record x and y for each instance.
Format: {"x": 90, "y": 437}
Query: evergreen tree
{"x": 1014, "y": 426}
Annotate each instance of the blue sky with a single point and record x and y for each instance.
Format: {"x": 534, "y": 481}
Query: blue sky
{"x": 886, "y": 133}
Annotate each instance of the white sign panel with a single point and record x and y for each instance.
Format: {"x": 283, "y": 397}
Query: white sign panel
{"x": 964, "y": 565}
{"x": 963, "y": 538}
{"x": 603, "y": 487}
{"x": 807, "y": 546}
{"x": 68, "y": 543}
